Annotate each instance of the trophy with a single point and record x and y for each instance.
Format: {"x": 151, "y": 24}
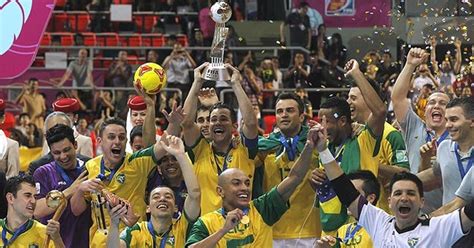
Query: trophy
{"x": 55, "y": 199}
{"x": 220, "y": 13}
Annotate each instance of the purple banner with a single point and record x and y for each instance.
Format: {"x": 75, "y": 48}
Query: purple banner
{"x": 352, "y": 13}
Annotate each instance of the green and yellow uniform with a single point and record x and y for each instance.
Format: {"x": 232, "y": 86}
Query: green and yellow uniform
{"x": 263, "y": 212}
{"x": 356, "y": 153}
{"x": 393, "y": 153}
{"x": 128, "y": 182}
{"x": 208, "y": 165}
{"x": 31, "y": 234}
{"x": 276, "y": 168}
{"x": 140, "y": 235}
{"x": 353, "y": 236}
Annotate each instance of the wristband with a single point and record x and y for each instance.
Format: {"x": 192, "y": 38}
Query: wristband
{"x": 326, "y": 157}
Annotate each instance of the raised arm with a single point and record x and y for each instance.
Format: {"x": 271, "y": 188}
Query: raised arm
{"x": 401, "y": 104}
{"x": 456, "y": 203}
{"x": 457, "y": 62}
{"x": 191, "y": 131}
{"x": 193, "y": 202}
{"x": 376, "y": 119}
{"x": 345, "y": 190}
{"x": 113, "y": 239}
{"x": 149, "y": 128}
{"x": 250, "y": 127}
{"x": 299, "y": 170}
{"x": 434, "y": 63}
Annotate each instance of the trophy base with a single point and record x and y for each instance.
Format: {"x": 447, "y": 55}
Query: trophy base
{"x": 216, "y": 73}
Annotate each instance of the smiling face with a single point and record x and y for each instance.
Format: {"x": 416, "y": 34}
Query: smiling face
{"x": 64, "y": 153}
{"x": 288, "y": 117}
{"x": 235, "y": 189}
{"x": 435, "y": 110}
{"x": 137, "y": 117}
{"x": 221, "y": 125}
{"x": 113, "y": 142}
{"x": 137, "y": 143}
{"x": 162, "y": 203}
{"x": 202, "y": 120}
{"x": 359, "y": 109}
{"x": 335, "y": 126}
{"x": 170, "y": 169}
{"x": 24, "y": 203}
{"x": 458, "y": 126}
{"x": 405, "y": 202}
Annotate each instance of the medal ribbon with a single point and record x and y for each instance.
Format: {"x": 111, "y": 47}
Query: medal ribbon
{"x": 164, "y": 237}
{"x": 18, "y": 232}
{"x": 460, "y": 166}
{"x": 291, "y": 149}
{"x": 350, "y": 234}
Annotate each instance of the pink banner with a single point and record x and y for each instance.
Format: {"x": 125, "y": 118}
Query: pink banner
{"x": 352, "y": 13}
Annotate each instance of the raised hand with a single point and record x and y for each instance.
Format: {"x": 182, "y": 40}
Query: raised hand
{"x": 149, "y": 99}
{"x": 433, "y": 41}
{"x": 236, "y": 77}
{"x": 75, "y": 185}
{"x": 175, "y": 145}
{"x": 428, "y": 150}
{"x": 232, "y": 219}
{"x": 198, "y": 72}
{"x": 416, "y": 56}
{"x": 116, "y": 213}
{"x": 351, "y": 67}
{"x": 52, "y": 229}
{"x": 457, "y": 43}
{"x": 176, "y": 116}
{"x": 326, "y": 242}
{"x": 208, "y": 96}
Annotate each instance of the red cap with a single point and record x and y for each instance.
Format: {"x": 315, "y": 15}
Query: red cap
{"x": 2, "y": 104}
{"x": 66, "y": 105}
{"x": 136, "y": 103}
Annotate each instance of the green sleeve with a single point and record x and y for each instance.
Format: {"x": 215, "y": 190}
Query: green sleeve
{"x": 271, "y": 206}
{"x": 198, "y": 232}
{"x": 147, "y": 152}
{"x": 126, "y": 234}
{"x": 399, "y": 153}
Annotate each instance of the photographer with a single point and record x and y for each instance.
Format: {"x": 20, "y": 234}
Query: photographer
{"x": 177, "y": 66}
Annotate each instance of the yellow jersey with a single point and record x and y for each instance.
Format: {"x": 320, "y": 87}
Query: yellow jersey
{"x": 354, "y": 236}
{"x": 263, "y": 212}
{"x": 140, "y": 235}
{"x": 302, "y": 211}
{"x": 207, "y": 166}
{"x": 128, "y": 182}
{"x": 32, "y": 234}
{"x": 392, "y": 153}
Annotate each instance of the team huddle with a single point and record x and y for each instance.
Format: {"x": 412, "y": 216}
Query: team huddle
{"x": 349, "y": 179}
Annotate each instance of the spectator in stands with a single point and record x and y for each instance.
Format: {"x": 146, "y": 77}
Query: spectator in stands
{"x": 82, "y": 128}
{"x": 177, "y": 67}
{"x": 99, "y": 22}
{"x": 22, "y": 122}
{"x": 33, "y": 102}
{"x": 206, "y": 23}
{"x": 200, "y": 56}
{"x": 119, "y": 75}
{"x": 297, "y": 73}
{"x": 164, "y": 53}
{"x": 447, "y": 73}
{"x": 423, "y": 77}
{"x": 300, "y": 29}
{"x": 65, "y": 173}
{"x": 322, "y": 42}
{"x": 278, "y": 73}
{"x": 152, "y": 56}
{"x": 315, "y": 19}
{"x": 332, "y": 77}
{"x": 105, "y": 105}
{"x": 314, "y": 79}
{"x": 267, "y": 74}
{"x": 252, "y": 84}
{"x": 34, "y": 136}
{"x": 80, "y": 70}
{"x": 9, "y": 150}
{"x": 337, "y": 48}
{"x": 387, "y": 69}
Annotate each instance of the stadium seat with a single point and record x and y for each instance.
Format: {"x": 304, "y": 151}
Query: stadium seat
{"x": 59, "y": 4}
{"x": 107, "y": 39}
{"x": 182, "y": 39}
{"x": 144, "y": 23}
{"x": 46, "y": 39}
{"x": 270, "y": 121}
{"x": 90, "y": 39}
{"x": 155, "y": 40}
{"x": 67, "y": 39}
{"x": 133, "y": 40}
{"x": 123, "y": 1}
{"x": 133, "y": 59}
{"x": 79, "y": 22}
{"x": 59, "y": 22}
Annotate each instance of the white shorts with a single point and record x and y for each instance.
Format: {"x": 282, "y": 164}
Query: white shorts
{"x": 294, "y": 243}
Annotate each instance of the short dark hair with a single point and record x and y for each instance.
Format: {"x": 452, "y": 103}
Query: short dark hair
{"x": 14, "y": 183}
{"x": 59, "y": 132}
{"x": 220, "y": 105}
{"x": 136, "y": 131}
{"x": 292, "y": 96}
{"x": 375, "y": 85}
{"x": 303, "y": 4}
{"x": 33, "y": 79}
{"x": 371, "y": 184}
{"x": 111, "y": 121}
{"x": 339, "y": 106}
{"x": 23, "y": 114}
{"x": 466, "y": 103}
{"x": 147, "y": 199}
{"x": 407, "y": 176}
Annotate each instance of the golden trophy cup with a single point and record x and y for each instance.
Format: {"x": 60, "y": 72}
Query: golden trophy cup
{"x": 55, "y": 199}
{"x": 220, "y": 13}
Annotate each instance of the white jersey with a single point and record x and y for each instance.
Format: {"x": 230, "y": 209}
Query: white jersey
{"x": 438, "y": 232}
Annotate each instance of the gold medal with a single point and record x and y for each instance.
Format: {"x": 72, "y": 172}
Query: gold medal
{"x": 245, "y": 220}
